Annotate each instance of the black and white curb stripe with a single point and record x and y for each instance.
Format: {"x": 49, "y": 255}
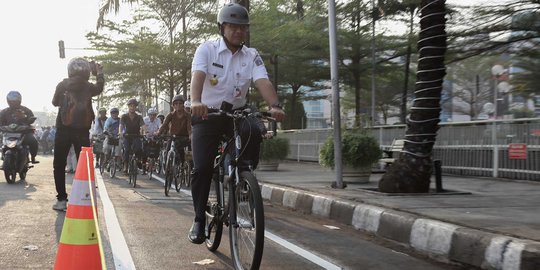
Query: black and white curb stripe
{"x": 438, "y": 239}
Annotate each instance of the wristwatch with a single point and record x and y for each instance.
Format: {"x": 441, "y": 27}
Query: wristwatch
{"x": 277, "y": 105}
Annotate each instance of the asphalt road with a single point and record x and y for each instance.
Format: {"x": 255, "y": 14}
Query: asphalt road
{"x": 154, "y": 228}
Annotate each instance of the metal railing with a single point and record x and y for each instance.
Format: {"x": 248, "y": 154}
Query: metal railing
{"x": 478, "y": 148}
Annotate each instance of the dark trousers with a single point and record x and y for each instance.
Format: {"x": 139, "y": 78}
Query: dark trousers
{"x": 32, "y": 143}
{"x": 62, "y": 143}
{"x": 206, "y": 136}
{"x": 132, "y": 143}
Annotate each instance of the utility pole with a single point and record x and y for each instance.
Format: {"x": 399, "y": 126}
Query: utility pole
{"x": 335, "y": 92}
{"x": 373, "y": 14}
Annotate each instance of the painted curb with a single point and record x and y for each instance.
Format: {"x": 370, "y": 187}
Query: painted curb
{"x": 435, "y": 238}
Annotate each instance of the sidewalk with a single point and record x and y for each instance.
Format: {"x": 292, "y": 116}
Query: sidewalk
{"x": 488, "y": 223}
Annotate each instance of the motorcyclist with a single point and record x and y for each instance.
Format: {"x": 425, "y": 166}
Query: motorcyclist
{"x": 18, "y": 114}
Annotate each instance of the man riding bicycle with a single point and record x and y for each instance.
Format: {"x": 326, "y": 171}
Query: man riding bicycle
{"x": 222, "y": 70}
{"x": 97, "y": 134}
{"x": 131, "y": 123}
{"x": 152, "y": 124}
{"x": 111, "y": 129}
{"x": 177, "y": 123}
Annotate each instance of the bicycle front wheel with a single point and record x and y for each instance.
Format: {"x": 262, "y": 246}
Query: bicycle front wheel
{"x": 247, "y": 231}
{"x": 169, "y": 174}
{"x": 102, "y": 164}
{"x": 132, "y": 171}
{"x": 112, "y": 166}
{"x": 214, "y": 224}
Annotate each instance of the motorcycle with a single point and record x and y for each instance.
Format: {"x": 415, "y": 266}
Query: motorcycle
{"x": 14, "y": 154}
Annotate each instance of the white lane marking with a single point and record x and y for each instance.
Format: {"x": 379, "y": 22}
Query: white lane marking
{"x": 284, "y": 243}
{"x": 300, "y": 251}
{"x": 121, "y": 255}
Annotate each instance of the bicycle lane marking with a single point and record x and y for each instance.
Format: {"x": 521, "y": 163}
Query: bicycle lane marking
{"x": 310, "y": 256}
{"x": 121, "y": 255}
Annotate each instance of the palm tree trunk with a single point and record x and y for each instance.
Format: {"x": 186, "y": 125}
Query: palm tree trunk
{"x": 412, "y": 170}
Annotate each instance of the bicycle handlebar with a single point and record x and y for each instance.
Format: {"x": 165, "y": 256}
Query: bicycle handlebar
{"x": 237, "y": 114}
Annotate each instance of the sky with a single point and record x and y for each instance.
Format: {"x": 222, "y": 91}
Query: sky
{"x": 29, "y": 58}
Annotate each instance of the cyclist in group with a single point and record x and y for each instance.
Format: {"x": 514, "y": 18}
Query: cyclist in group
{"x": 152, "y": 124}
{"x": 161, "y": 117}
{"x": 222, "y": 70}
{"x": 97, "y": 133}
{"x": 18, "y": 114}
{"x": 111, "y": 129}
{"x": 177, "y": 122}
{"x": 131, "y": 123}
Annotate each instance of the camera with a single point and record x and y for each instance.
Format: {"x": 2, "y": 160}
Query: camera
{"x": 93, "y": 67}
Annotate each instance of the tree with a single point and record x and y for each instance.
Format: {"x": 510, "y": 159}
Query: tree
{"x": 494, "y": 28}
{"x": 401, "y": 8}
{"x": 473, "y": 85}
{"x": 290, "y": 32}
{"x": 527, "y": 82}
{"x": 150, "y": 62}
{"x": 354, "y": 19}
{"x": 412, "y": 170}
{"x": 108, "y": 6}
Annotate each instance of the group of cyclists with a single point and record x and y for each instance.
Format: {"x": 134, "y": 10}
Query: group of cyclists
{"x": 143, "y": 136}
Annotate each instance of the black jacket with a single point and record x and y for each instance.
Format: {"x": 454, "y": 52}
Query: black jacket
{"x": 81, "y": 87}
{"x": 17, "y": 115}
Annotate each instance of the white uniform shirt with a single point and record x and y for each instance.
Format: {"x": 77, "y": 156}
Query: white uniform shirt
{"x": 230, "y": 74}
{"x": 151, "y": 127}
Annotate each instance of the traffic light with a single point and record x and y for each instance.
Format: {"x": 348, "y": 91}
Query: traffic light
{"x": 61, "y": 49}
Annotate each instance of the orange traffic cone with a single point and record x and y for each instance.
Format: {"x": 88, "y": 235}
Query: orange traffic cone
{"x": 79, "y": 243}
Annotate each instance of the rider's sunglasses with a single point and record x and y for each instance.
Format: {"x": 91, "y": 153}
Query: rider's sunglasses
{"x": 234, "y": 27}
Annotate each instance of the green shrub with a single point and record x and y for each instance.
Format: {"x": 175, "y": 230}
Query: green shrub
{"x": 358, "y": 150}
{"x": 274, "y": 149}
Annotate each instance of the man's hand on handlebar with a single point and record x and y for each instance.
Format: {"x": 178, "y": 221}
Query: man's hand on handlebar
{"x": 277, "y": 113}
{"x": 199, "y": 109}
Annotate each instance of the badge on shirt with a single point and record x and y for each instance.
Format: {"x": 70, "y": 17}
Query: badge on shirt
{"x": 214, "y": 81}
{"x": 237, "y": 93}
{"x": 258, "y": 60}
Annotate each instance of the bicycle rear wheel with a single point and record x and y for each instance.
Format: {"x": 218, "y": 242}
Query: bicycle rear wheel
{"x": 214, "y": 224}
{"x": 247, "y": 231}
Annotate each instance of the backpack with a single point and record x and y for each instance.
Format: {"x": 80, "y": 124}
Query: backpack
{"x": 74, "y": 111}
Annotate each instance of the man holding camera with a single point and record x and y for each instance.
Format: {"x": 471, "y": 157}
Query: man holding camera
{"x": 73, "y": 97}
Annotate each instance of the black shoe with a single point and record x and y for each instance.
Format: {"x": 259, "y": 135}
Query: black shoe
{"x": 34, "y": 161}
{"x": 196, "y": 233}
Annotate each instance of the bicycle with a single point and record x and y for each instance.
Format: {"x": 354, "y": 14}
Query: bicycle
{"x": 162, "y": 158}
{"x": 243, "y": 212}
{"x": 174, "y": 169}
{"x": 133, "y": 160}
{"x": 111, "y": 162}
{"x": 152, "y": 148}
{"x": 97, "y": 149}
{"x": 187, "y": 165}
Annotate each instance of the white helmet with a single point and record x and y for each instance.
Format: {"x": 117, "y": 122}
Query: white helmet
{"x": 152, "y": 111}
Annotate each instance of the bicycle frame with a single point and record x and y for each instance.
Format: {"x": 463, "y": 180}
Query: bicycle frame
{"x": 243, "y": 192}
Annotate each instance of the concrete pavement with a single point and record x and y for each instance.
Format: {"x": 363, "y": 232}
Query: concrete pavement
{"x": 483, "y": 222}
